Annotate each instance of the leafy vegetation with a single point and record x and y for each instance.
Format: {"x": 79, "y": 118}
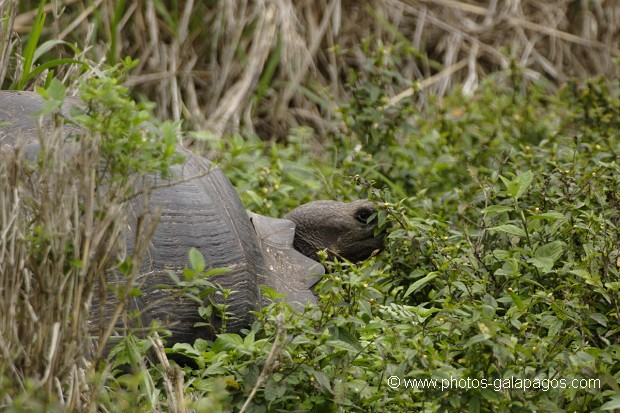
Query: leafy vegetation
{"x": 502, "y": 264}
{"x": 498, "y": 289}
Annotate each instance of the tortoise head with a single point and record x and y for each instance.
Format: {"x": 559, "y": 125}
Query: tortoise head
{"x": 340, "y": 228}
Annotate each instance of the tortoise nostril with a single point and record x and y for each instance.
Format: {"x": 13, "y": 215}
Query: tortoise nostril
{"x": 363, "y": 214}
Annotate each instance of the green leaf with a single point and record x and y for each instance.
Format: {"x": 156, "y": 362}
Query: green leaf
{"x": 421, "y": 282}
{"x": 48, "y": 45}
{"x": 612, "y": 404}
{"x": 524, "y": 180}
{"x": 249, "y": 340}
{"x": 31, "y": 45}
{"x": 118, "y": 14}
{"x": 54, "y": 96}
{"x": 215, "y": 271}
{"x": 585, "y": 274}
{"x": 599, "y": 318}
{"x": 551, "y": 250}
{"x": 341, "y": 345}
{"x": 127, "y": 351}
{"x": 135, "y": 292}
{"x": 517, "y": 301}
{"x": 205, "y": 312}
{"x": 349, "y": 338}
{"x": 508, "y": 229}
{"x": 174, "y": 277}
{"x": 185, "y": 349}
{"x": 196, "y": 260}
{"x": 214, "y": 369}
{"x": 268, "y": 71}
{"x": 544, "y": 264}
{"x": 496, "y": 209}
{"x": 124, "y": 267}
{"x": 517, "y": 186}
{"x": 478, "y": 338}
{"x": 512, "y": 187}
{"x": 587, "y": 277}
{"x": 614, "y": 286}
{"x": 357, "y": 385}
{"x": 57, "y": 91}
{"x": 274, "y": 390}
{"x": 323, "y": 380}
{"x": 227, "y": 341}
{"x": 201, "y": 344}
{"x": 546, "y": 255}
{"x": 548, "y": 215}
{"x": 271, "y": 293}
{"x": 50, "y": 65}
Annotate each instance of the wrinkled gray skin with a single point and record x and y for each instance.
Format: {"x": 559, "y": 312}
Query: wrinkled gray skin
{"x": 201, "y": 209}
{"x": 341, "y": 228}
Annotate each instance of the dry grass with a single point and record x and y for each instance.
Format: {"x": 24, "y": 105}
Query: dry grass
{"x": 56, "y": 246}
{"x": 43, "y": 337}
{"x": 269, "y": 65}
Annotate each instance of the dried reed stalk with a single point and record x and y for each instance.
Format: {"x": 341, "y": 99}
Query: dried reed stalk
{"x": 61, "y": 235}
{"x": 269, "y": 65}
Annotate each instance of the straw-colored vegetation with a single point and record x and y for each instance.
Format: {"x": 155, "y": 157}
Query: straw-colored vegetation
{"x": 269, "y": 65}
{"x": 481, "y": 129}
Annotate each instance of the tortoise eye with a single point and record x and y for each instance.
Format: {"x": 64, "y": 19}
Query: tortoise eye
{"x": 362, "y": 215}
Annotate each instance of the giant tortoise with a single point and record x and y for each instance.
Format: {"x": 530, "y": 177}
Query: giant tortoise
{"x": 201, "y": 209}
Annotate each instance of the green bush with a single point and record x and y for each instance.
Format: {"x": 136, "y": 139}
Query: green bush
{"x": 498, "y": 287}
{"x": 502, "y": 266}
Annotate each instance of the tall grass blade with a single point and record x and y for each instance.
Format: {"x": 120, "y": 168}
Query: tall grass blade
{"x": 31, "y": 45}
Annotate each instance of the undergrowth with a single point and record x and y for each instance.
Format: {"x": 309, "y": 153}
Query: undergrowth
{"x": 500, "y": 279}
{"x": 497, "y": 290}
